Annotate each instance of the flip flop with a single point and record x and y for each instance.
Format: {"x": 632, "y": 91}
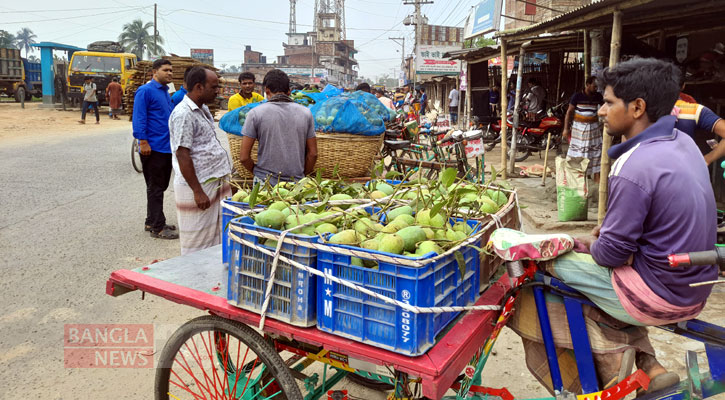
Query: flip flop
{"x": 147, "y": 228}
{"x": 165, "y": 234}
{"x": 625, "y": 368}
{"x": 659, "y": 382}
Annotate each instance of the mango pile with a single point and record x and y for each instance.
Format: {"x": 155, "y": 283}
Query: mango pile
{"x": 412, "y": 219}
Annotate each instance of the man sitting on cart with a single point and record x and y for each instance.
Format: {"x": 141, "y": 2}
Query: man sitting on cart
{"x": 286, "y": 134}
{"x": 655, "y": 208}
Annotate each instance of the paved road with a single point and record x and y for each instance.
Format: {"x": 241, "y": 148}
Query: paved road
{"x": 72, "y": 212}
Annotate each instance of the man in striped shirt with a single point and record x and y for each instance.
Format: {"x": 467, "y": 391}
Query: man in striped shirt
{"x": 581, "y": 124}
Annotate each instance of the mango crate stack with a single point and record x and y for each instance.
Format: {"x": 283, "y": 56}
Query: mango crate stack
{"x": 142, "y": 74}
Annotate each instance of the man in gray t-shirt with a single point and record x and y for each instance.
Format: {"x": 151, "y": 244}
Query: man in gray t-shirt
{"x": 89, "y": 99}
{"x": 286, "y": 134}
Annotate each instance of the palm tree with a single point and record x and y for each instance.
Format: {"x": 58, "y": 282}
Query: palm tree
{"x": 136, "y": 39}
{"x": 24, "y": 38}
{"x": 7, "y": 40}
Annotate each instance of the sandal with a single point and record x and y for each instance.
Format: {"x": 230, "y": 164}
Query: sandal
{"x": 165, "y": 234}
{"x": 659, "y": 382}
{"x": 147, "y": 228}
{"x": 625, "y": 368}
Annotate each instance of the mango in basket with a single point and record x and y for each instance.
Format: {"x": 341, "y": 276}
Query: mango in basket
{"x": 270, "y": 219}
{"x": 488, "y": 206}
{"x": 498, "y": 196}
{"x": 391, "y": 244}
{"x": 426, "y": 247}
{"x": 326, "y": 228}
{"x": 423, "y": 218}
{"x": 411, "y": 236}
{"x": 392, "y": 214}
{"x": 348, "y": 236}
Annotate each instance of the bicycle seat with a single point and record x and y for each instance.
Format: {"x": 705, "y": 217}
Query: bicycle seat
{"x": 397, "y": 144}
{"x": 512, "y": 245}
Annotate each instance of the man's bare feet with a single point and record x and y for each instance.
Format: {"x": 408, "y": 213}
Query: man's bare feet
{"x": 659, "y": 377}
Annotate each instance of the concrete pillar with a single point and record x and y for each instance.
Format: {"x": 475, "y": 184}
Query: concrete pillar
{"x": 597, "y": 48}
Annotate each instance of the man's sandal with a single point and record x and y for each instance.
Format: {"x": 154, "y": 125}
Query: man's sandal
{"x": 147, "y": 228}
{"x": 625, "y": 368}
{"x": 659, "y": 382}
{"x": 165, "y": 234}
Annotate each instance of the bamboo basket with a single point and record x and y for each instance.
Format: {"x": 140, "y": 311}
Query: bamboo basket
{"x": 353, "y": 155}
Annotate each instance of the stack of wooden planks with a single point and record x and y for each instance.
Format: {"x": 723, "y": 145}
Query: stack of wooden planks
{"x": 142, "y": 73}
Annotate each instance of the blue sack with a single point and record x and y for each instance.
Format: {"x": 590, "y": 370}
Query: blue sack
{"x": 345, "y": 115}
{"x": 233, "y": 121}
{"x": 372, "y": 101}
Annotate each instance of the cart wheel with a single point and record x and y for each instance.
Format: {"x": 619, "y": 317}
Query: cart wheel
{"x": 213, "y": 357}
{"x": 136, "y": 157}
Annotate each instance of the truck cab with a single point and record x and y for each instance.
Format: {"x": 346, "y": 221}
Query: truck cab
{"x": 103, "y": 67}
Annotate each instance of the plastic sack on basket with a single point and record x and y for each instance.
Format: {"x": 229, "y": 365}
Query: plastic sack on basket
{"x": 372, "y": 101}
{"x": 345, "y": 115}
{"x": 233, "y": 121}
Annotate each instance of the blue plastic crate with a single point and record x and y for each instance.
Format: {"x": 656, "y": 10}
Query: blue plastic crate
{"x": 227, "y": 216}
{"x": 349, "y": 313}
{"x": 294, "y": 290}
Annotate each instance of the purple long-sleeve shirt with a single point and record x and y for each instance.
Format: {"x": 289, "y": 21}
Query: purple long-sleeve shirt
{"x": 660, "y": 202}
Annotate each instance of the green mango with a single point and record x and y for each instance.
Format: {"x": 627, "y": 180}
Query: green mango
{"x": 395, "y": 226}
{"x": 348, "y": 236}
{"x": 429, "y": 233}
{"x": 440, "y": 234}
{"x": 394, "y": 213}
{"x": 391, "y": 244}
{"x": 270, "y": 219}
{"x": 411, "y": 236}
{"x": 385, "y": 188}
{"x": 358, "y": 262}
{"x": 278, "y": 205}
{"x": 408, "y": 219}
{"x": 238, "y": 196}
{"x": 325, "y": 228}
{"x": 423, "y": 218}
{"x": 341, "y": 196}
{"x": 377, "y": 195}
{"x": 488, "y": 206}
{"x": 371, "y": 244}
{"x": 497, "y": 196}
{"x": 428, "y": 246}
{"x": 363, "y": 225}
{"x": 462, "y": 227}
{"x": 271, "y": 243}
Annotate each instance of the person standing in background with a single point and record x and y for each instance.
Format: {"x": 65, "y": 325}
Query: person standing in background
{"x": 201, "y": 164}
{"x": 423, "y": 101}
{"x": 90, "y": 99}
{"x": 114, "y": 94}
{"x": 179, "y": 94}
{"x": 246, "y": 94}
{"x": 151, "y": 109}
{"x": 581, "y": 124}
{"x": 453, "y": 105}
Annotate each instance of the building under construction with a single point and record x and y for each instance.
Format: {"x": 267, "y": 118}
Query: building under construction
{"x": 311, "y": 57}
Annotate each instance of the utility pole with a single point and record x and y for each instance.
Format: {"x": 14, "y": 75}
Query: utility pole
{"x": 418, "y": 23}
{"x": 156, "y": 30}
{"x": 402, "y": 52}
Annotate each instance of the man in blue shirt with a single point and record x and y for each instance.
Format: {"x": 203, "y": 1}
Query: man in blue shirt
{"x": 151, "y": 109}
{"x": 178, "y": 96}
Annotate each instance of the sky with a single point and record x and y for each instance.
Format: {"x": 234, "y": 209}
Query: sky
{"x": 230, "y": 25}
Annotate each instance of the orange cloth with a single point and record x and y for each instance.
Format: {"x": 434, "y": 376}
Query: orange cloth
{"x": 114, "y": 93}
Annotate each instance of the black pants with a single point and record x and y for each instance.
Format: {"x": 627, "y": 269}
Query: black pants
{"x": 156, "y": 172}
{"x": 86, "y": 104}
{"x": 454, "y": 116}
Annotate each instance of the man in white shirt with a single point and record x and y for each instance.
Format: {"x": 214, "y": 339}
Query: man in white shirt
{"x": 453, "y": 105}
{"x": 200, "y": 162}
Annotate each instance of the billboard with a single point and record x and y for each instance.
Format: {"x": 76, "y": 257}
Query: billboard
{"x": 484, "y": 18}
{"x": 429, "y": 60}
{"x": 304, "y": 71}
{"x": 204, "y": 55}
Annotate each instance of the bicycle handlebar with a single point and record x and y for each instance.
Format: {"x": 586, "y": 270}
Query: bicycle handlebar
{"x": 709, "y": 257}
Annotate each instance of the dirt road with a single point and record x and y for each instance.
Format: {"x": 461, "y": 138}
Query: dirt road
{"x": 73, "y": 211}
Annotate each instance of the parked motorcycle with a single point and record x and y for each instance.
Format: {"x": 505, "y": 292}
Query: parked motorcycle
{"x": 531, "y": 135}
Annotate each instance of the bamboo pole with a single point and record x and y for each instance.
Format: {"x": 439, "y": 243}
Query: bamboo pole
{"x": 587, "y": 55}
{"x": 546, "y": 159}
{"x": 517, "y": 115}
{"x": 607, "y": 140}
{"x": 504, "y": 107}
{"x": 558, "y": 80}
{"x": 469, "y": 106}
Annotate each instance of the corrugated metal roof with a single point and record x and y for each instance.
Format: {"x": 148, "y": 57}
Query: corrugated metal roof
{"x": 594, "y": 5}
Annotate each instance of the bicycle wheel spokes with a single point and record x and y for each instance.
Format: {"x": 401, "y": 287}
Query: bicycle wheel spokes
{"x": 216, "y": 366}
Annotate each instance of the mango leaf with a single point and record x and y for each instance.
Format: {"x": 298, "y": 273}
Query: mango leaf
{"x": 336, "y": 170}
{"x": 253, "y": 196}
{"x": 461, "y": 263}
{"x": 504, "y": 184}
{"x": 318, "y": 178}
{"x": 494, "y": 173}
{"x": 392, "y": 174}
{"x": 448, "y": 176}
{"x": 437, "y": 208}
{"x": 323, "y": 204}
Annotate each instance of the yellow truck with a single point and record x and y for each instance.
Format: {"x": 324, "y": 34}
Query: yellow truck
{"x": 103, "y": 67}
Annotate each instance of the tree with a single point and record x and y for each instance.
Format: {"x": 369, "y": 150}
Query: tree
{"x": 33, "y": 59}
{"x": 24, "y": 38}
{"x": 224, "y": 67}
{"x": 136, "y": 39}
{"x": 234, "y": 69}
{"x": 7, "y": 40}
